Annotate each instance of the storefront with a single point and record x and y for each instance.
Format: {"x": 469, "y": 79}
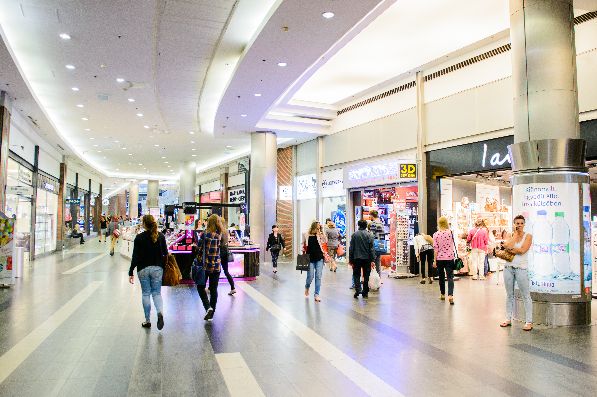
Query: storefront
{"x": 390, "y": 187}
{"x": 46, "y": 220}
{"x": 333, "y": 200}
{"x": 19, "y": 191}
{"x": 306, "y": 200}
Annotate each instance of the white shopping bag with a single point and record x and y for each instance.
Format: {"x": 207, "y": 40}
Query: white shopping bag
{"x": 374, "y": 280}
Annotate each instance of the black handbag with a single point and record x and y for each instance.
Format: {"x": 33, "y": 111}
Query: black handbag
{"x": 303, "y": 262}
{"x": 458, "y": 264}
{"x": 198, "y": 268}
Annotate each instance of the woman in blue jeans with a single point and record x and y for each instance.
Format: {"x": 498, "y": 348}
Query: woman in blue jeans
{"x": 312, "y": 245}
{"x": 149, "y": 252}
{"x": 516, "y": 272}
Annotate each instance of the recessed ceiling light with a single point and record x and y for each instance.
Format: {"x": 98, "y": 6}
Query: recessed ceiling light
{"x": 156, "y": 145}
{"x": 193, "y": 149}
{"x": 228, "y": 147}
{"x": 165, "y": 162}
{"x": 91, "y": 139}
{"x": 191, "y": 132}
{"x": 80, "y": 105}
{"x": 146, "y": 126}
{"x": 282, "y": 64}
{"x": 257, "y": 94}
{"x": 84, "y": 118}
{"x": 120, "y": 80}
{"x": 163, "y": 157}
{"x": 87, "y": 129}
{"x": 123, "y": 148}
{"x": 243, "y": 115}
{"x": 75, "y": 88}
{"x": 328, "y": 15}
{"x": 193, "y": 155}
{"x": 130, "y": 154}
{"x": 140, "y": 114}
{"x": 131, "y": 99}
{"x": 95, "y": 145}
{"x": 64, "y": 36}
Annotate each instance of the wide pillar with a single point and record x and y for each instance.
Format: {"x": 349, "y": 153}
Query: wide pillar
{"x": 153, "y": 194}
{"x": 551, "y": 183}
{"x": 61, "y": 227}
{"x": 4, "y": 146}
{"x": 188, "y": 179}
{"x": 134, "y": 201}
{"x": 263, "y": 170}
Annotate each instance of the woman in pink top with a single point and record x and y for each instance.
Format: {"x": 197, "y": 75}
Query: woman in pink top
{"x": 443, "y": 248}
{"x": 478, "y": 237}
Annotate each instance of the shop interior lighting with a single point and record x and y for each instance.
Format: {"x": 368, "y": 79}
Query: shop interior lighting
{"x": 163, "y": 157}
{"x": 156, "y": 145}
{"x": 75, "y": 88}
{"x": 70, "y": 67}
{"x": 120, "y": 80}
{"x": 193, "y": 155}
{"x": 91, "y": 139}
{"x": 328, "y": 15}
{"x": 64, "y": 36}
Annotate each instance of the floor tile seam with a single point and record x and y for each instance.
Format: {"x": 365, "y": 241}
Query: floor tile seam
{"x": 555, "y": 358}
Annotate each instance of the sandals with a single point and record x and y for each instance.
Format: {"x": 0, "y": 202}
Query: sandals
{"x": 318, "y": 299}
{"x": 451, "y": 300}
{"x": 506, "y": 324}
{"x": 527, "y": 326}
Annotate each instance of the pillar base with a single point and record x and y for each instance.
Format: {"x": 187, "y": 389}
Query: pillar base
{"x": 554, "y": 314}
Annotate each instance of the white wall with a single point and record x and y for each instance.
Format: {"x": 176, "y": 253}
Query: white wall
{"x": 236, "y": 180}
{"x": 306, "y": 158}
{"x": 210, "y": 187}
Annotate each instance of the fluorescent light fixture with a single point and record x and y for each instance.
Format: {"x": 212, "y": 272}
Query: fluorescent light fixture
{"x": 328, "y": 15}
{"x": 120, "y": 80}
{"x": 257, "y": 94}
{"x": 130, "y": 154}
{"x": 140, "y": 164}
{"x": 80, "y": 105}
{"x": 131, "y": 99}
{"x": 140, "y": 114}
{"x": 70, "y": 67}
{"x": 123, "y": 148}
{"x": 75, "y": 88}
{"x": 84, "y": 118}
{"x": 282, "y": 64}
{"x": 64, "y": 36}
{"x": 243, "y": 115}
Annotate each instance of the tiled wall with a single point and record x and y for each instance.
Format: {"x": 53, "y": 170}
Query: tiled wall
{"x": 284, "y": 209}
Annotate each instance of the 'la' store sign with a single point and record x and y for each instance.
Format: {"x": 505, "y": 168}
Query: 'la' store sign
{"x": 495, "y": 159}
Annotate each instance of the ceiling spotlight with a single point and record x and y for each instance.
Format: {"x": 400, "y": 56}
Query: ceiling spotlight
{"x": 193, "y": 149}
{"x": 156, "y": 145}
{"x": 80, "y": 105}
{"x": 257, "y": 94}
{"x": 87, "y": 129}
{"x": 70, "y": 67}
{"x": 64, "y": 36}
{"x": 131, "y": 100}
{"x": 191, "y": 132}
{"x": 75, "y": 88}
{"x": 91, "y": 139}
{"x": 84, "y": 118}
{"x": 328, "y": 15}
{"x": 163, "y": 157}
{"x": 130, "y": 154}
{"x": 282, "y": 64}
{"x": 120, "y": 80}
{"x": 146, "y": 126}
{"x": 193, "y": 155}
{"x": 140, "y": 114}
{"x": 243, "y": 115}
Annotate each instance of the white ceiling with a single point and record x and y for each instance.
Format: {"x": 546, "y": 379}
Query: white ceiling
{"x": 162, "y": 51}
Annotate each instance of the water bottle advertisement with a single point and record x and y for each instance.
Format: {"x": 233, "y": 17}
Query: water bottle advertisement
{"x": 552, "y": 217}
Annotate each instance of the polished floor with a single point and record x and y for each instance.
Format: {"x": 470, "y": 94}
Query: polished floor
{"x": 71, "y": 327}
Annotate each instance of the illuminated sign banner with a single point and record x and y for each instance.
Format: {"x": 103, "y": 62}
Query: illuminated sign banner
{"x": 306, "y": 187}
{"x": 382, "y": 173}
{"x": 332, "y": 183}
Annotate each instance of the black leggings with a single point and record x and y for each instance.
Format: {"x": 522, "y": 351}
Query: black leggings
{"x": 426, "y": 256}
{"x": 214, "y": 279}
{"x": 275, "y": 255}
{"x": 224, "y": 260}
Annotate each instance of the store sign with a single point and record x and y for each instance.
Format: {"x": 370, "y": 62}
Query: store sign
{"x": 306, "y": 187}
{"x": 552, "y": 217}
{"x": 408, "y": 171}
{"x": 332, "y": 183}
{"x": 73, "y": 201}
{"x": 25, "y": 175}
{"x": 236, "y": 196}
{"x": 495, "y": 158}
{"x": 189, "y": 207}
{"x": 48, "y": 186}
{"x": 378, "y": 174}
{"x": 285, "y": 193}
{"x": 26, "y": 191}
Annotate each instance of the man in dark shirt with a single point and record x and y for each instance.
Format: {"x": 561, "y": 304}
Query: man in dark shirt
{"x": 362, "y": 258}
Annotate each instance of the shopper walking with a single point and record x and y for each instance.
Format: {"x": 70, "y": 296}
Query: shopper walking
{"x": 210, "y": 242}
{"x": 478, "y": 238}
{"x": 333, "y": 237}
{"x": 516, "y": 272}
{"x": 444, "y": 255}
{"x": 362, "y": 258}
{"x": 313, "y": 245}
{"x": 114, "y": 232}
{"x": 149, "y": 255}
{"x": 224, "y": 254}
{"x": 424, "y": 252}
{"x": 275, "y": 243}
{"x": 103, "y": 228}
{"x": 378, "y": 231}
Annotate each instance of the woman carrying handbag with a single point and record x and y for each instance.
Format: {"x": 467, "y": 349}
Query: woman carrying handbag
{"x": 313, "y": 245}
{"x": 444, "y": 256}
{"x": 275, "y": 244}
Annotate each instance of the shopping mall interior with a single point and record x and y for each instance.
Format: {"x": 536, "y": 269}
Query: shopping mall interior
{"x": 461, "y": 135}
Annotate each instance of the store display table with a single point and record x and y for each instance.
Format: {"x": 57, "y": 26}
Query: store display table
{"x": 246, "y": 258}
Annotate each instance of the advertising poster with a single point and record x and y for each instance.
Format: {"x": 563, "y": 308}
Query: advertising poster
{"x": 339, "y": 219}
{"x": 586, "y": 225}
{"x": 594, "y": 249}
{"x": 306, "y": 187}
{"x": 393, "y": 238}
{"x": 6, "y": 248}
{"x": 552, "y": 214}
{"x": 488, "y": 197}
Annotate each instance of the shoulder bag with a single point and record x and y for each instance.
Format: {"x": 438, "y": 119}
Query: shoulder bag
{"x": 303, "y": 262}
{"x": 457, "y": 261}
{"x": 277, "y": 246}
{"x": 198, "y": 266}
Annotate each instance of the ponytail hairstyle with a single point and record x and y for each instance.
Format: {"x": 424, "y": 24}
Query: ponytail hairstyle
{"x": 151, "y": 226}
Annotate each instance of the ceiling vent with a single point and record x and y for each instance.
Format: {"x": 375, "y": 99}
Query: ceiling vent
{"x": 131, "y": 85}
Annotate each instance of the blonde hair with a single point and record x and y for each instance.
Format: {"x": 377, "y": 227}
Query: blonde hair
{"x": 151, "y": 226}
{"x": 213, "y": 224}
{"x": 314, "y": 227}
{"x": 442, "y": 223}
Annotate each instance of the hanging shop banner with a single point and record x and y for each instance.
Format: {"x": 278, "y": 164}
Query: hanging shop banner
{"x": 25, "y": 191}
{"x": 306, "y": 187}
{"x": 285, "y": 193}
{"x": 381, "y": 173}
{"x": 332, "y": 183}
{"x": 236, "y": 196}
{"x": 552, "y": 217}
{"x": 6, "y": 248}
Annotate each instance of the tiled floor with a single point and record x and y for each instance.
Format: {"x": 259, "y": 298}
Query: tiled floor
{"x": 79, "y": 334}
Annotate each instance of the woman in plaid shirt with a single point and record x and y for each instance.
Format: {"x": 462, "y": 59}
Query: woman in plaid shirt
{"x": 210, "y": 240}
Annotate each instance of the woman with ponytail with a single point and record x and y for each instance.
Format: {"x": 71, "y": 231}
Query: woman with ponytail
{"x": 149, "y": 252}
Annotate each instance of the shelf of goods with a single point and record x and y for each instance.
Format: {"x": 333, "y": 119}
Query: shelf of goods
{"x": 127, "y": 239}
{"x": 402, "y": 248}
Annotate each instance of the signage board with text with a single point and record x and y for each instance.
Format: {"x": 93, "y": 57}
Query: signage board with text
{"x": 306, "y": 187}
{"x": 332, "y": 183}
{"x": 379, "y": 173}
{"x": 285, "y": 193}
{"x": 236, "y": 196}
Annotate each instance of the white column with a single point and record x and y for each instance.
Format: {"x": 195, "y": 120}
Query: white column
{"x": 153, "y": 194}
{"x": 421, "y": 160}
{"x": 134, "y": 201}
{"x": 263, "y": 170}
{"x": 188, "y": 179}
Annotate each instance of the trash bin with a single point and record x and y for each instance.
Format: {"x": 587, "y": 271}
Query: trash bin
{"x": 18, "y": 261}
